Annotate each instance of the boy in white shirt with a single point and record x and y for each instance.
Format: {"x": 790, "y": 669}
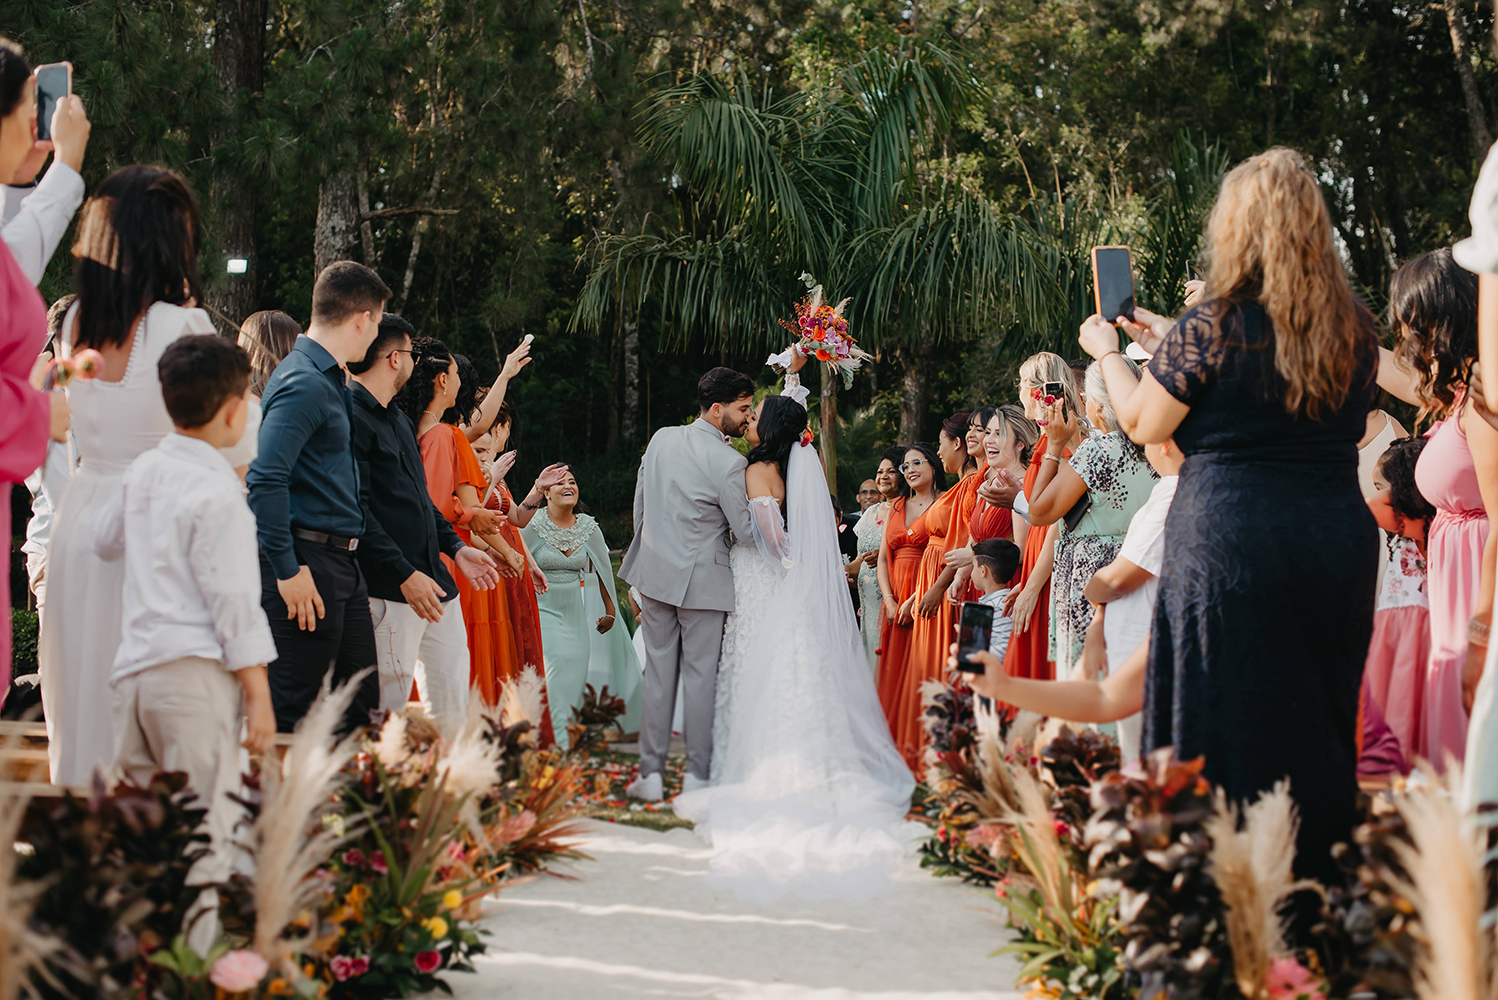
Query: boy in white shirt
{"x": 995, "y": 561}
{"x": 195, "y": 640}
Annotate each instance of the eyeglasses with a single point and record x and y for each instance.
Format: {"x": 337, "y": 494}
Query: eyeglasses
{"x": 914, "y": 463}
{"x": 399, "y": 351}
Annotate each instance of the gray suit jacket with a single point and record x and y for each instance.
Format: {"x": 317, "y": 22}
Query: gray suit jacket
{"x": 689, "y": 494}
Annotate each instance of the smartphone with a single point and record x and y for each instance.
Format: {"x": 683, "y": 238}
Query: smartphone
{"x": 1057, "y": 391}
{"x": 1196, "y": 271}
{"x": 973, "y": 630}
{"x": 1113, "y": 282}
{"x": 54, "y": 82}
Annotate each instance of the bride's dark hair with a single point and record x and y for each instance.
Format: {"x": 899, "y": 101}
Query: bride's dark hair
{"x": 780, "y": 426}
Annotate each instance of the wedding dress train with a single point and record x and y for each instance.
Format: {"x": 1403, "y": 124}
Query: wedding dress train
{"x": 808, "y": 792}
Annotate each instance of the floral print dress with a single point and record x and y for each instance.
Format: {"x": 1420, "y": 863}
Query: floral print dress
{"x": 1119, "y": 480}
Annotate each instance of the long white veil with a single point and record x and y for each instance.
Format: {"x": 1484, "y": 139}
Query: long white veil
{"x": 812, "y": 794}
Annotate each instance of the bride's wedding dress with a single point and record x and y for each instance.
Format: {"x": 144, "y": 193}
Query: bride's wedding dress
{"x": 808, "y": 793}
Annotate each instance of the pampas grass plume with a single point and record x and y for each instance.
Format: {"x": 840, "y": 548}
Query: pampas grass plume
{"x": 1444, "y": 862}
{"x": 523, "y": 698}
{"x": 1252, "y": 866}
{"x": 290, "y": 838}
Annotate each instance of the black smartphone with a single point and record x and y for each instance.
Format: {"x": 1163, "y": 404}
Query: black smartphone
{"x": 1112, "y": 282}
{"x": 1056, "y": 391}
{"x": 1196, "y": 271}
{"x": 54, "y": 82}
{"x": 973, "y": 629}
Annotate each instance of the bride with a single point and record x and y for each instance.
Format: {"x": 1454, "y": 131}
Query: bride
{"x": 808, "y": 793}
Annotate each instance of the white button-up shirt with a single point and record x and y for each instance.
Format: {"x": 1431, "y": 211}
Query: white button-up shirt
{"x": 192, "y": 569}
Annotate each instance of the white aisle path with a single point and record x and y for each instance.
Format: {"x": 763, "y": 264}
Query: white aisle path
{"x": 639, "y": 921}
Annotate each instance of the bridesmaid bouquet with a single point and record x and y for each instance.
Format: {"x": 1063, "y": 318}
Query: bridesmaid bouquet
{"x": 821, "y": 332}
{"x": 84, "y": 365}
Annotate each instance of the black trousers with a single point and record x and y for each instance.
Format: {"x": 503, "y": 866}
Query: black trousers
{"x": 341, "y": 645}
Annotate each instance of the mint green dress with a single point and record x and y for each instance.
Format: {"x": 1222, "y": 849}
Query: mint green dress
{"x": 574, "y": 560}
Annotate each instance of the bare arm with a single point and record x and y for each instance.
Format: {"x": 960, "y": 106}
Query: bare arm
{"x": 1114, "y": 580}
{"x": 1117, "y": 696}
{"x": 489, "y": 409}
{"x": 1397, "y": 380}
{"x": 1487, "y": 333}
{"x": 1482, "y": 439}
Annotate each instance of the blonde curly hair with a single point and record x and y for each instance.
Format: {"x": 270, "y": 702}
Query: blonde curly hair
{"x": 1269, "y": 240}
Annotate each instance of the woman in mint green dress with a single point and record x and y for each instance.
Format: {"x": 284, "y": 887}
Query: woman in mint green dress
{"x": 583, "y": 635}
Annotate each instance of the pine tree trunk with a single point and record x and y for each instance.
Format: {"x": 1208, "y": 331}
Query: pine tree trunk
{"x": 915, "y": 400}
{"x": 829, "y": 427}
{"x": 631, "y": 423}
{"x": 239, "y": 65}
{"x": 1477, "y": 119}
{"x": 337, "y": 218}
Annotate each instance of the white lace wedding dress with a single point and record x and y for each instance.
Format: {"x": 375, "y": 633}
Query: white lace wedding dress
{"x": 808, "y": 794}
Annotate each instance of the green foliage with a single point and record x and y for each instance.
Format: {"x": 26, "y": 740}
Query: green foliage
{"x": 24, "y": 629}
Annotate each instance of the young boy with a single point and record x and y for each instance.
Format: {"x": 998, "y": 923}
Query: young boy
{"x": 995, "y": 561}
{"x": 195, "y": 639}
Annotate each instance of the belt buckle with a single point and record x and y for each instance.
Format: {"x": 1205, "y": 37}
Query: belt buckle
{"x": 353, "y": 544}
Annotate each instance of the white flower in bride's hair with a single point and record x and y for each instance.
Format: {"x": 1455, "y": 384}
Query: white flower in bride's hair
{"x": 390, "y": 749}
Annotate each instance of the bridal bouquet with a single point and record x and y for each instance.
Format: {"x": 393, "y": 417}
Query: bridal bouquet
{"x": 822, "y": 333}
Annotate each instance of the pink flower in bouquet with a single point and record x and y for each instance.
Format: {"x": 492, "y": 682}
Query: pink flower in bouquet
{"x": 1289, "y": 980}
{"x": 346, "y": 967}
{"x": 428, "y": 961}
{"x": 238, "y": 971}
{"x": 516, "y": 826}
{"x": 983, "y": 836}
{"x": 354, "y": 858}
{"x": 377, "y": 863}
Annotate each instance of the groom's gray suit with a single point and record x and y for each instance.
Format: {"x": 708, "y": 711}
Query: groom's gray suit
{"x": 689, "y": 494}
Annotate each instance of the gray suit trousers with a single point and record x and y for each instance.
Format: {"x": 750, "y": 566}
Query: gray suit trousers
{"x": 684, "y": 643}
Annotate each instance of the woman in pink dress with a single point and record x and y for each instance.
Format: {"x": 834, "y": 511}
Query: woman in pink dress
{"x": 1433, "y": 305}
{"x": 28, "y": 417}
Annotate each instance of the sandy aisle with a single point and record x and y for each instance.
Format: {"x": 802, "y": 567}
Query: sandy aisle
{"x": 639, "y": 922}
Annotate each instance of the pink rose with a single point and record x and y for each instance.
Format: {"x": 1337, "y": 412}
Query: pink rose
{"x": 353, "y": 857}
{"x": 345, "y": 967}
{"x": 238, "y": 971}
{"x": 1289, "y": 980}
{"x": 377, "y": 863}
{"x": 516, "y": 826}
{"x": 428, "y": 961}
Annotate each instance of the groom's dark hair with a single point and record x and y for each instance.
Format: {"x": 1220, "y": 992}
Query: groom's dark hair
{"x": 723, "y": 385}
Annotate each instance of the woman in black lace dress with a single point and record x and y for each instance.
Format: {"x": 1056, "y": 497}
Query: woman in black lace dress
{"x": 1266, "y": 599}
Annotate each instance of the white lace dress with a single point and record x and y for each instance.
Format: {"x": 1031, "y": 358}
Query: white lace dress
{"x": 808, "y": 794}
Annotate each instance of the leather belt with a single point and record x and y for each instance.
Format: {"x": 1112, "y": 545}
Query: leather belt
{"x": 331, "y": 541}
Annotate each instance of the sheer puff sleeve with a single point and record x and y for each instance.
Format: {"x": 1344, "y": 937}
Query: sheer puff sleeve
{"x": 769, "y": 530}
{"x": 1192, "y": 352}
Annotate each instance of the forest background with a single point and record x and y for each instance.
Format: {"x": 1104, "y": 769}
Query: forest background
{"x": 641, "y": 184}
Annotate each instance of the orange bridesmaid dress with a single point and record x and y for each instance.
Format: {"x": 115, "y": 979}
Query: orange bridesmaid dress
{"x": 495, "y": 649}
{"x": 947, "y": 529}
{"x": 1029, "y": 651}
{"x": 906, "y": 544}
{"x": 990, "y": 522}
{"x": 522, "y": 612}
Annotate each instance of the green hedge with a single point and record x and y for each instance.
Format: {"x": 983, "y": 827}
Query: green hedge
{"x": 23, "y": 632}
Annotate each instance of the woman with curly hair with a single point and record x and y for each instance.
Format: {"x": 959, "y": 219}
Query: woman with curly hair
{"x": 1433, "y": 307}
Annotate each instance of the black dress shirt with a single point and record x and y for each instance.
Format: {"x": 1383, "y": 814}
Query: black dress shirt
{"x": 305, "y": 476}
{"x": 403, "y": 530}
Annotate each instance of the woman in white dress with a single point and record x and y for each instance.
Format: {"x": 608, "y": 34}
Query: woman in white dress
{"x": 808, "y": 793}
{"x": 135, "y": 267}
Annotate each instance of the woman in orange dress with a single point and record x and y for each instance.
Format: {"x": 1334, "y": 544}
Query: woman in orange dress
{"x": 922, "y": 482}
{"x": 931, "y": 632}
{"x": 1029, "y": 601}
{"x": 436, "y": 400}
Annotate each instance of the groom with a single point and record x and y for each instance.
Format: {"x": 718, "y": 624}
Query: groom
{"x": 689, "y": 495}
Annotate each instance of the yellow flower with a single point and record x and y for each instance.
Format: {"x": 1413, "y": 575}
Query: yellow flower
{"x": 281, "y": 988}
{"x": 358, "y": 895}
{"x": 452, "y": 899}
{"x": 437, "y": 926}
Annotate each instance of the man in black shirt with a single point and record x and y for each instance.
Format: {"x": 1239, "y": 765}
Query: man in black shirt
{"x": 419, "y": 631}
{"x": 304, "y": 490}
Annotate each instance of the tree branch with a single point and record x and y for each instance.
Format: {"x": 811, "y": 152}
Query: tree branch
{"x": 390, "y": 213}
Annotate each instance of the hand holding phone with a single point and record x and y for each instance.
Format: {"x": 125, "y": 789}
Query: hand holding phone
{"x": 54, "y": 83}
{"x": 973, "y": 631}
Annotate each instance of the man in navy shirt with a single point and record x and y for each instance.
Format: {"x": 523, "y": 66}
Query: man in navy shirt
{"x": 419, "y": 630}
{"x": 304, "y": 490}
